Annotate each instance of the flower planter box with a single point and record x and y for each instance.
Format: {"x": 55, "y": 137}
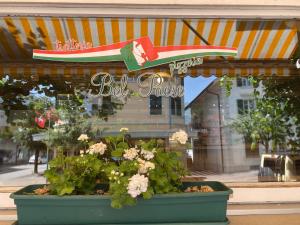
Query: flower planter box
{"x": 179, "y": 208}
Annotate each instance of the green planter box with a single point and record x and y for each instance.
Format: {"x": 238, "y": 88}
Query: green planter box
{"x": 180, "y": 208}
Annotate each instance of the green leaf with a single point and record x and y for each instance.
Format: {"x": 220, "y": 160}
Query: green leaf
{"x": 148, "y": 194}
{"x": 117, "y": 153}
{"x": 116, "y": 204}
{"x": 122, "y": 145}
{"x": 68, "y": 189}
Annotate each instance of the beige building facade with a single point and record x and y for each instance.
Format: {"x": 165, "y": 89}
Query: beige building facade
{"x": 140, "y": 116}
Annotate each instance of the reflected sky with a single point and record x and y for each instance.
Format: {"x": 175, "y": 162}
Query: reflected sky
{"x": 194, "y": 85}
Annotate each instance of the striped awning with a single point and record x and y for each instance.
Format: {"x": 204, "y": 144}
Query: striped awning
{"x": 255, "y": 40}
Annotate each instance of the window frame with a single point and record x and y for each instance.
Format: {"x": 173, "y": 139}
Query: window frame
{"x": 159, "y": 107}
{"x": 250, "y": 103}
{"x": 243, "y": 82}
{"x": 176, "y": 106}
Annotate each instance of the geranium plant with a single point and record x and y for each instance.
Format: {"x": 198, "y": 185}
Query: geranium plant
{"x": 126, "y": 169}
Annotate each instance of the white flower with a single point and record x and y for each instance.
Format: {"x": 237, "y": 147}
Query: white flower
{"x": 180, "y": 136}
{"x": 147, "y": 154}
{"x": 124, "y": 129}
{"x": 131, "y": 153}
{"x": 137, "y": 185}
{"x": 83, "y": 137}
{"x": 81, "y": 153}
{"x": 97, "y": 148}
{"x": 145, "y": 166}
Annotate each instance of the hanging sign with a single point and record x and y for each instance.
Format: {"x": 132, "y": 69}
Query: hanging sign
{"x": 137, "y": 54}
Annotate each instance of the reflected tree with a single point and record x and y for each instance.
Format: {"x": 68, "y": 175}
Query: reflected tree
{"x": 274, "y": 122}
{"x": 30, "y": 105}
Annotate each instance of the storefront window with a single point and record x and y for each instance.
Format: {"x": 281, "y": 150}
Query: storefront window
{"x": 136, "y": 81}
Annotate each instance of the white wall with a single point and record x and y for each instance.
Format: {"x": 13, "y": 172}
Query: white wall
{"x": 235, "y": 158}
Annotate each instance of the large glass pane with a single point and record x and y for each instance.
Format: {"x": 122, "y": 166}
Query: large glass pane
{"x": 240, "y": 110}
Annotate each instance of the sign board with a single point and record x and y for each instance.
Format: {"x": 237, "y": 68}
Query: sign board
{"x": 137, "y": 54}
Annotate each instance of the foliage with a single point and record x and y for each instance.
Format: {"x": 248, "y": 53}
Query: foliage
{"x": 25, "y": 100}
{"x": 2, "y": 82}
{"x": 14, "y": 93}
{"x": 286, "y": 92}
{"x": 72, "y": 120}
{"x": 268, "y": 123}
{"x": 130, "y": 168}
{"x": 6, "y": 133}
{"x": 24, "y": 126}
{"x": 226, "y": 82}
{"x": 74, "y": 175}
{"x": 21, "y": 99}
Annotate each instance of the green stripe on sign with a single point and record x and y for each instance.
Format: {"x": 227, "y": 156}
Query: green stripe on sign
{"x": 134, "y": 67}
{"x": 188, "y": 56}
{"x": 82, "y": 59}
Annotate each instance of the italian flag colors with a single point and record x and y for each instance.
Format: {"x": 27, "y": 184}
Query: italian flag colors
{"x": 137, "y": 54}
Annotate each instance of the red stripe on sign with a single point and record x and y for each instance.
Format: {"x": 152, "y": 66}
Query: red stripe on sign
{"x": 89, "y": 50}
{"x": 174, "y": 48}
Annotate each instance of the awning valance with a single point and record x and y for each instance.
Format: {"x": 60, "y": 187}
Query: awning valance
{"x": 66, "y": 72}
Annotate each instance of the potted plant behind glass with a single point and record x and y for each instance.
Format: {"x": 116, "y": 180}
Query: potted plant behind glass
{"x": 100, "y": 185}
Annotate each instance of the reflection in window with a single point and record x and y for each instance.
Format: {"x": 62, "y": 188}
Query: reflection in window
{"x": 107, "y": 106}
{"x": 95, "y": 108}
{"x": 245, "y": 105}
{"x": 243, "y": 82}
{"x": 155, "y": 105}
{"x": 64, "y": 99}
{"x": 251, "y": 152}
{"x": 176, "y": 106}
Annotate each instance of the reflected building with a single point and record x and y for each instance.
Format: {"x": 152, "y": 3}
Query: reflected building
{"x": 218, "y": 147}
{"x": 145, "y": 117}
